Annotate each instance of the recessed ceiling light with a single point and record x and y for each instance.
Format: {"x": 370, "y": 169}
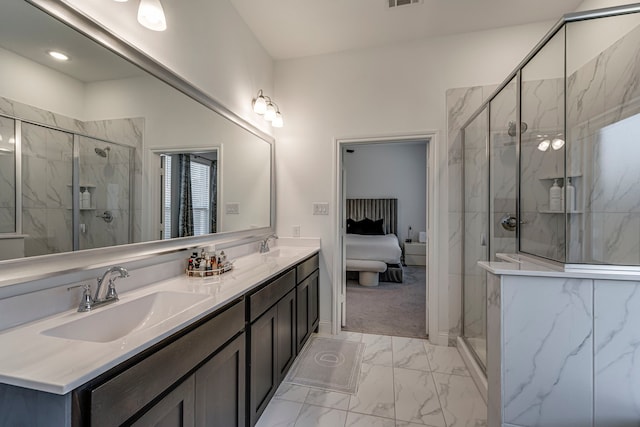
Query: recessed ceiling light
{"x": 58, "y": 55}
{"x": 121, "y": 1}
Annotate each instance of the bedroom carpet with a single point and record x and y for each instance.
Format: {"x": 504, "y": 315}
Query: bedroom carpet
{"x": 390, "y": 308}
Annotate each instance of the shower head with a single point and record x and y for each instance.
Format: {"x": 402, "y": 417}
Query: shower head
{"x": 102, "y": 152}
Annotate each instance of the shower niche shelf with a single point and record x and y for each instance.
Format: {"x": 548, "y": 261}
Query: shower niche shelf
{"x": 547, "y": 211}
{"x": 91, "y": 188}
{"x": 555, "y": 176}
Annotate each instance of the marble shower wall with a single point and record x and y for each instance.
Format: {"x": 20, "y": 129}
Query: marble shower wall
{"x": 47, "y": 161}
{"x": 542, "y": 231}
{"x": 576, "y": 365}
{"x": 7, "y": 176}
{"x": 475, "y": 221}
{"x": 47, "y": 168}
{"x": 603, "y": 127}
{"x": 107, "y": 179}
{"x": 461, "y": 103}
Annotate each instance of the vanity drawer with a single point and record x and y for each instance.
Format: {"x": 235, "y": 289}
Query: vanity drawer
{"x": 305, "y": 268}
{"x": 260, "y": 301}
{"x": 121, "y": 397}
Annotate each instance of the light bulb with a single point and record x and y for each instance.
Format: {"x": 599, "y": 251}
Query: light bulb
{"x": 151, "y": 15}
{"x": 277, "y": 121}
{"x": 557, "y": 143}
{"x": 544, "y": 145}
{"x": 259, "y": 105}
{"x": 270, "y": 114}
{"x": 58, "y": 55}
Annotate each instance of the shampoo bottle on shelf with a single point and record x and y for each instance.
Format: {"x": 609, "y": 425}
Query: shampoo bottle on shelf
{"x": 85, "y": 199}
{"x": 570, "y": 198}
{"x": 555, "y": 197}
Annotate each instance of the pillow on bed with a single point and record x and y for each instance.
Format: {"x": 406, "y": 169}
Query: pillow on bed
{"x": 366, "y": 226}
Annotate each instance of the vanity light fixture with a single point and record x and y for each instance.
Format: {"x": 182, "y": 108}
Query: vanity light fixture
{"x": 264, "y": 105}
{"x": 557, "y": 142}
{"x": 544, "y": 144}
{"x": 151, "y": 15}
{"x": 546, "y": 141}
{"x": 58, "y": 55}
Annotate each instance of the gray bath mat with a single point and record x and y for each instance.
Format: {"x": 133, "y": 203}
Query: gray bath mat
{"x": 328, "y": 364}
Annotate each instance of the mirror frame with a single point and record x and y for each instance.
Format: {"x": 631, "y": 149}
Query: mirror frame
{"x": 21, "y": 270}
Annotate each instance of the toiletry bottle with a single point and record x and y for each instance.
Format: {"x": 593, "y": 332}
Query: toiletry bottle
{"x": 85, "y": 200}
{"x": 555, "y": 197}
{"x": 570, "y": 198}
{"x": 223, "y": 257}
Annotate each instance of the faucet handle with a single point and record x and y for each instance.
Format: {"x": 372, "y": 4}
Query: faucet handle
{"x": 111, "y": 291}
{"x": 86, "y": 302}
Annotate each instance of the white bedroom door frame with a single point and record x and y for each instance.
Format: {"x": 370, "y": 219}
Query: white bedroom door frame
{"x": 339, "y": 272}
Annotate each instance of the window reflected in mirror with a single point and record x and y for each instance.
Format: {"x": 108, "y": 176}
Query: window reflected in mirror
{"x": 189, "y": 194}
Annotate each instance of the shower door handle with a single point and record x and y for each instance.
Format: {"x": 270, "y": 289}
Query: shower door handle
{"x": 483, "y": 239}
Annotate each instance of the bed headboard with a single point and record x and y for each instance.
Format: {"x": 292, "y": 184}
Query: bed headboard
{"x": 387, "y": 209}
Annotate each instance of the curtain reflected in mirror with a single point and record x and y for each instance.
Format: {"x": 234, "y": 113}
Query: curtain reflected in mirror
{"x": 189, "y": 194}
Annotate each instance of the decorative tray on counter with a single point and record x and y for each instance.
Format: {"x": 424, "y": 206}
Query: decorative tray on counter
{"x": 208, "y": 273}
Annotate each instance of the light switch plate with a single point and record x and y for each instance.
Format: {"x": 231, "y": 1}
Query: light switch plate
{"x": 232, "y": 208}
{"x": 295, "y": 231}
{"x": 320, "y": 208}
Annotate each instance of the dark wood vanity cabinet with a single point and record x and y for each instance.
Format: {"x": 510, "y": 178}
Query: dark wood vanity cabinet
{"x": 272, "y": 346}
{"x": 282, "y": 314}
{"x": 220, "y": 371}
{"x": 196, "y": 377}
{"x": 307, "y": 300}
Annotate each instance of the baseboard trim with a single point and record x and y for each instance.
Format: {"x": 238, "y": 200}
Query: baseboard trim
{"x": 441, "y": 339}
{"x": 476, "y": 372}
{"x": 325, "y": 328}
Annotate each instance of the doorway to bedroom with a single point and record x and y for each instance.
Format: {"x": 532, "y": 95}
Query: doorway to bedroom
{"x": 384, "y": 224}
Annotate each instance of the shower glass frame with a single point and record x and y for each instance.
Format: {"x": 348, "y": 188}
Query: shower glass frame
{"x": 560, "y": 26}
{"x": 75, "y": 183}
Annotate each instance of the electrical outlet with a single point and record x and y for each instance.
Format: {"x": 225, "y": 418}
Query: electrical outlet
{"x": 232, "y": 208}
{"x": 295, "y": 231}
{"x": 320, "y": 208}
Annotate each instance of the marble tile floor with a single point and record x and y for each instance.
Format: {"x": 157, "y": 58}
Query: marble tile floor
{"x": 404, "y": 382}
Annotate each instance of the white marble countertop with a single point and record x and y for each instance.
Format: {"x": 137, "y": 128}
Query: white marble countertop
{"x": 516, "y": 265}
{"x": 33, "y": 360}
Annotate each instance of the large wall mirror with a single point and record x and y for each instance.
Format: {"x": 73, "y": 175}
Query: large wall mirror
{"x": 96, "y": 152}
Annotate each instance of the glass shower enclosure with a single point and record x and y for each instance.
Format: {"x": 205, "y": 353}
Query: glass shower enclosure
{"x": 62, "y": 191}
{"x": 550, "y": 159}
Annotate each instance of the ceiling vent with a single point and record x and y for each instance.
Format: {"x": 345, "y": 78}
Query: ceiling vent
{"x": 397, "y": 3}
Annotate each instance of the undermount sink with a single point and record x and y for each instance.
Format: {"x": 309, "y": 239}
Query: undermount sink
{"x": 121, "y": 319}
{"x": 284, "y": 252}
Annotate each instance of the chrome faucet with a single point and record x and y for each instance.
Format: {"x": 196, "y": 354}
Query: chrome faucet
{"x": 112, "y": 295}
{"x": 87, "y": 302}
{"x": 264, "y": 245}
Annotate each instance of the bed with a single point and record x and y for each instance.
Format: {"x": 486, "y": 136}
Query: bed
{"x": 371, "y": 235}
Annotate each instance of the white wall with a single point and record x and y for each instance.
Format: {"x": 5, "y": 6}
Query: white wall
{"x": 54, "y": 92}
{"x": 376, "y": 92}
{"x": 599, "y": 4}
{"x": 206, "y": 42}
{"x": 396, "y": 170}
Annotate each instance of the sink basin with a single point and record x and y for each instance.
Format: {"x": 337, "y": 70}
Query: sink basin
{"x": 284, "y": 252}
{"x": 120, "y": 319}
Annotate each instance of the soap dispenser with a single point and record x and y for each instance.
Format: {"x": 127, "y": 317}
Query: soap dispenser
{"x": 555, "y": 197}
{"x": 85, "y": 199}
{"x": 570, "y": 198}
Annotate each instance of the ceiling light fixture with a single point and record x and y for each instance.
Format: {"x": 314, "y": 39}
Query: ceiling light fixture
{"x": 151, "y": 15}
{"x": 58, "y": 55}
{"x": 264, "y": 105}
